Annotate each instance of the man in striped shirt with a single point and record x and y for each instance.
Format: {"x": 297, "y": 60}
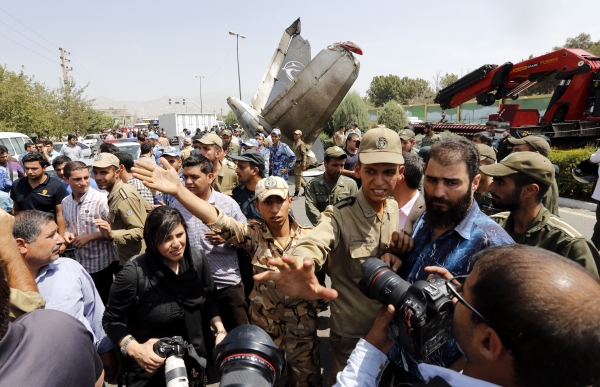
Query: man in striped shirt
{"x": 79, "y": 209}
{"x": 198, "y": 175}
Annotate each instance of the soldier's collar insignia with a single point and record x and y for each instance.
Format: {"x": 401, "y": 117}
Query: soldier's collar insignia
{"x": 382, "y": 143}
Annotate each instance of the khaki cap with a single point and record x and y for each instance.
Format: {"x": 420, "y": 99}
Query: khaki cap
{"x": 226, "y": 132}
{"x": 187, "y": 141}
{"x": 380, "y": 145}
{"x": 531, "y": 164}
{"x": 298, "y": 132}
{"x": 260, "y": 129}
{"x": 105, "y": 160}
{"x": 336, "y": 152}
{"x": 211, "y": 139}
{"x": 536, "y": 142}
{"x": 406, "y": 134}
{"x": 272, "y": 185}
{"x": 485, "y": 152}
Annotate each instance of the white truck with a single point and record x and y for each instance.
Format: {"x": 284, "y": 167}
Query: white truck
{"x": 174, "y": 123}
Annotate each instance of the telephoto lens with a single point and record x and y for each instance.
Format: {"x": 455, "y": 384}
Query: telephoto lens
{"x": 173, "y": 349}
{"x": 381, "y": 283}
{"x": 247, "y": 357}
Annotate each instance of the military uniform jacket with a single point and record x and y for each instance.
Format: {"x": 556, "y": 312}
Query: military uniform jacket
{"x": 429, "y": 141}
{"x": 127, "y": 215}
{"x": 348, "y": 233}
{"x": 549, "y": 232}
{"x": 484, "y": 200}
{"x": 256, "y": 239}
{"x": 300, "y": 150}
{"x": 226, "y": 179}
{"x": 319, "y": 196}
{"x": 233, "y": 150}
{"x": 550, "y": 199}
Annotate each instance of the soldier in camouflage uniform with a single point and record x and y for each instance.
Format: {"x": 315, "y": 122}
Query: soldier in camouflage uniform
{"x": 300, "y": 151}
{"x": 232, "y": 148}
{"x": 430, "y": 137}
{"x": 281, "y": 157}
{"x": 290, "y": 321}
{"x": 487, "y": 156}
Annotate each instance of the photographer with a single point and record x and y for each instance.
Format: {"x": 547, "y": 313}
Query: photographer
{"x": 515, "y": 330}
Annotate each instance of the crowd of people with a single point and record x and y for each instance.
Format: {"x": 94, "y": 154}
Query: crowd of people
{"x": 198, "y": 239}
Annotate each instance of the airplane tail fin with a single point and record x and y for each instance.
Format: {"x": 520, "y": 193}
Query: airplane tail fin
{"x": 290, "y": 57}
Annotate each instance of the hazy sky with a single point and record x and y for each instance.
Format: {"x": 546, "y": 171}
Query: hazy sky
{"x": 143, "y": 50}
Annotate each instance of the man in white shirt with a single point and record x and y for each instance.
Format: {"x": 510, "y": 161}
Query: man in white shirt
{"x": 515, "y": 330}
{"x": 411, "y": 203}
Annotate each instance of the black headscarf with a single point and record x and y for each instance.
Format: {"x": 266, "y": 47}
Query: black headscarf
{"x": 186, "y": 287}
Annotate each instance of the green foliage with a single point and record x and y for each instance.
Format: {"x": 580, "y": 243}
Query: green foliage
{"x": 448, "y": 79}
{"x": 443, "y": 135}
{"x": 393, "y": 116}
{"x": 391, "y": 87}
{"x": 230, "y": 119}
{"x": 326, "y": 140}
{"x": 28, "y": 106}
{"x": 352, "y": 109}
{"x": 566, "y": 161}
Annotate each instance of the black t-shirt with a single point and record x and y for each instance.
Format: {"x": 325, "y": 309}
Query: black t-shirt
{"x": 245, "y": 199}
{"x": 45, "y": 197}
{"x": 351, "y": 161}
{"x": 48, "y": 348}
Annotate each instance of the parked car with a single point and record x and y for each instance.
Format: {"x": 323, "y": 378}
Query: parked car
{"x": 133, "y": 148}
{"x": 50, "y": 171}
{"x": 15, "y": 142}
{"x": 93, "y": 141}
{"x": 86, "y": 151}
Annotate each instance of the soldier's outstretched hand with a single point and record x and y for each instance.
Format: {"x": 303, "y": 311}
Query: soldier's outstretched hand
{"x": 296, "y": 280}
{"x": 164, "y": 179}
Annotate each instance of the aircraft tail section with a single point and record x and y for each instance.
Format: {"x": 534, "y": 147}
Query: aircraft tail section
{"x": 264, "y": 91}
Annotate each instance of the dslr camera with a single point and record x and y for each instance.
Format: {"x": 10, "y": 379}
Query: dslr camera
{"x": 424, "y": 309}
{"x": 173, "y": 349}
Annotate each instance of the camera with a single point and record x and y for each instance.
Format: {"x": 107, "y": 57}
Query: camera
{"x": 424, "y": 309}
{"x": 248, "y": 357}
{"x": 173, "y": 349}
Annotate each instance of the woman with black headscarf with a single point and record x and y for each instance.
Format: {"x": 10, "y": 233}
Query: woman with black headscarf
{"x": 165, "y": 292}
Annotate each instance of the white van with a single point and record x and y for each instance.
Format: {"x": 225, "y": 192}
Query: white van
{"x": 15, "y": 142}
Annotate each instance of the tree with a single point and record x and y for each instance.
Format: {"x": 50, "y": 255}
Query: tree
{"x": 447, "y": 80}
{"x": 231, "y": 119}
{"x": 393, "y": 116}
{"x": 391, "y": 87}
{"x": 352, "y": 109}
{"x": 28, "y": 106}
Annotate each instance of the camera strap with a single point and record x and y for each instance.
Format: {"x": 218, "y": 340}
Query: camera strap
{"x": 192, "y": 353}
{"x": 435, "y": 382}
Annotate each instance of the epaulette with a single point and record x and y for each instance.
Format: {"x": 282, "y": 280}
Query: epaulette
{"x": 123, "y": 194}
{"x": 501, "y": 215}
{"x": 345, "y": 202}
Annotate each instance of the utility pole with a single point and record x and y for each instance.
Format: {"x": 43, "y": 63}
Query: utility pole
{"x": 200, "y": 78}
{"x": 65, "y": 69}
{"x": 237, "y": 38}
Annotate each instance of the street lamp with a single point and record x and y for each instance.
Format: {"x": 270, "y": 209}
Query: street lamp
{"x": 237, "y": 38}
{"x": 200, "y": 78}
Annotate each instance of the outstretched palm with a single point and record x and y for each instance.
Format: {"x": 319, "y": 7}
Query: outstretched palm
{"x": 164, "y": 179}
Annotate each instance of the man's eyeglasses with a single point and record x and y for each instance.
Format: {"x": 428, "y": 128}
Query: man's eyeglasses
{"x": 455, "y": 285}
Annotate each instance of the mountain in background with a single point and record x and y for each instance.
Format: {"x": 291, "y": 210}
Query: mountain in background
{"x": 214, "y": 102}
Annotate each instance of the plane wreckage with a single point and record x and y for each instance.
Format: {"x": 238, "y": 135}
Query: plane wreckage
{"x": 297, "y": 93}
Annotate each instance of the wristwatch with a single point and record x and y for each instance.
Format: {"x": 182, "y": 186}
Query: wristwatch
{"x": 125, "y": 344}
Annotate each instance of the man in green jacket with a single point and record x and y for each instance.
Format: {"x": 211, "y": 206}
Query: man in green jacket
{"x": 520, "y": 182}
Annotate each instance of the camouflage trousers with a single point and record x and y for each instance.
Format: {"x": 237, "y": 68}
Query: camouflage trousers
{"x": 292, "y": 324}
{"x": 299, "y": 181}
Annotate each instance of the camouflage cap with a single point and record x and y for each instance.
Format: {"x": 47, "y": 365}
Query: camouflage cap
{"x": 211, "y": 139}
{"x": 171, "y": 151}
{"x": 536, "y": 142}
{"x": 531, "y": 164}
{"x": 380, "y": 145}
{"x": 336, "y": 152}
{"x": 486, "y": 152}
{"x": 406, "y": 134}
{"x": 105, "y": 160}
{"x": 272, "y": 185}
